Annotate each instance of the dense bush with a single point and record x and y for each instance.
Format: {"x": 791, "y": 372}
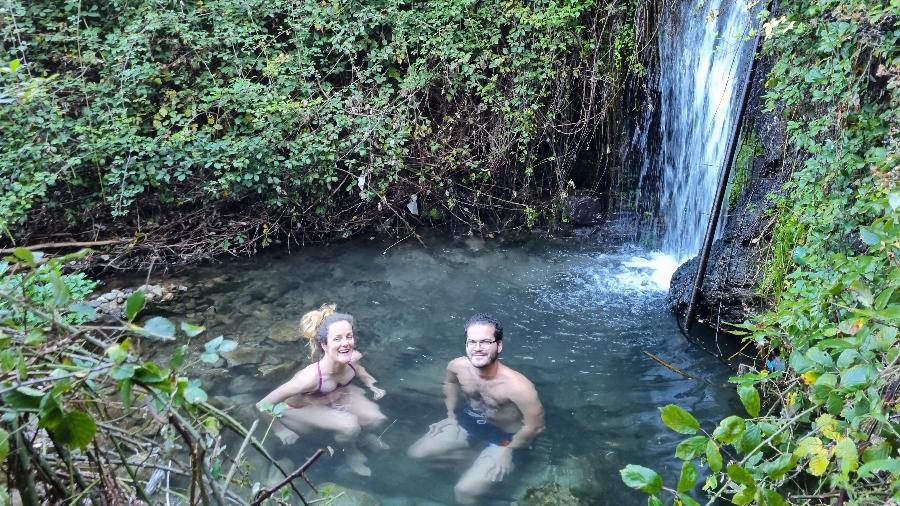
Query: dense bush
{"x": 823, "y": 425}
{"x": 327, "y": 114}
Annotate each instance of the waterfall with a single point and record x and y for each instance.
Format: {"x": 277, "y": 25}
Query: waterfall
{"x": 682, "y": 144}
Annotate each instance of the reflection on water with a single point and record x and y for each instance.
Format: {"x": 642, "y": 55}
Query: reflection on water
{"x": 578, "y": 319}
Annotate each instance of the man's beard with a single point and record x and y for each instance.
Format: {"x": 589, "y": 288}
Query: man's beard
{"x": 487, "y": 360}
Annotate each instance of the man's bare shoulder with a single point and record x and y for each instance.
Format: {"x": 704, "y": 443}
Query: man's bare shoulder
{"x": 519, "y": 382}
{"x": 458, "y": 364}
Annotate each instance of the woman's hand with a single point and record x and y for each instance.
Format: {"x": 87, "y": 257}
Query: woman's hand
{"x": 377, "y": 393}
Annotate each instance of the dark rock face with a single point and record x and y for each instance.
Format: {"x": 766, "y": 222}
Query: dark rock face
{"x": 585, "y": 210}
{"x": 734, "y": 271}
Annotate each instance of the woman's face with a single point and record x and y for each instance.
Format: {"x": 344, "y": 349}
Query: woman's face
{"x": 340, "y": 342}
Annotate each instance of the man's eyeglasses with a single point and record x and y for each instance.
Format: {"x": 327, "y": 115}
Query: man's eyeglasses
{"x": 480, "y": 344}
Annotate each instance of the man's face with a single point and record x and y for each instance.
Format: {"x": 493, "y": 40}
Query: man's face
{"x": 481, "y": 347}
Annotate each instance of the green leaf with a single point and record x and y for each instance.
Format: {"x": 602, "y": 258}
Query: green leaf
{"x": 34, "y": 338}
{"x": 23, "y": 398}
{"x": 744, "y": 496}
{"x": 24, "y": 255}
{"x": 654, "y": 501}
{"x": 149, "y": 373}
{"x": 678, "y": 419}
{"x": 847, "y": 455}
{"x": 76, "y": 430}
{"x": 641, "y": 478}
{"x": 890, "y": 465}
{"x": 713, "y": 457}
{"x": 777, "y": 468}
{"x": 178, "y": 356}
{"x": 729, "y": 429}
{"x": 894, "y": 200}
{"x": 194, "y": 394}
{"x": 160, "y": 328}
{"x": 14, "y": 65}
{"x": 856, "y": 377}
{"x": 191, "y": 330}
{"x": 687, "y": 500}
{"x": 799, "y": 362}
{"x": 869, "y": 236}
{"x": 820, "y": 357}
{"x": 863, "y": 292}
{"x": 134, "y": 305}
{"x": 771, "y": 498}
{"x": 691, "y": 448}
{"x": 740, "y": 475}
{"x": 51, "y": 413}
{"x": 61, "y": 296}
{"x": 118, "y": 353}
{"x": 121, "y": 372}
{"x": 749, "y": 398}
{"x": 125, "y": 393}
{"x": 750, "y": 439}
{"x": 688, "y": 477}
{"x": 847, "y": 358}
{"x": 4, "y": 444}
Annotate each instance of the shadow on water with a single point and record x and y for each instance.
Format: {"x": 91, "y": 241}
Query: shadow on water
{"x": 578, "y": 320}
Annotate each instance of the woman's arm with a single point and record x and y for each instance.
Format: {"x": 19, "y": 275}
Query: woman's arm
{"x": 303, "y": 382}
{"x": 369, "y": 381}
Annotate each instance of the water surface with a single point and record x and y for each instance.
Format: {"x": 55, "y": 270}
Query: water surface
{"x": 578, "y": 320}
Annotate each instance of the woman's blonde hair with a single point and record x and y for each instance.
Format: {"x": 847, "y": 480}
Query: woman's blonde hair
{"x": 314, "y": 327}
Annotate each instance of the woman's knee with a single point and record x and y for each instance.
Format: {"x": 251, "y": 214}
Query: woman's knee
{"x": 347, "y": 430}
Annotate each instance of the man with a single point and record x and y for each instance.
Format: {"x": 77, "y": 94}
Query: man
{"x": 502, "y": 410}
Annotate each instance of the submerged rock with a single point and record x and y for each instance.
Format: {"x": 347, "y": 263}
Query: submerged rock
{"x": 571, "y": 481}
{"x": 112, "y": 303}
{"x": 337, "y": 495}
{"x": 285, "y": 331}
{"x": 550, "y": 494}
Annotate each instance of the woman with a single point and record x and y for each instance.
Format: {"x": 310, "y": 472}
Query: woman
{"x": 321, "y": 397}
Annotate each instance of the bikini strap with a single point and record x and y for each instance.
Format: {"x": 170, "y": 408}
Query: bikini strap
{"x": 319, "y": 368}
{"x": 354, "y": 369}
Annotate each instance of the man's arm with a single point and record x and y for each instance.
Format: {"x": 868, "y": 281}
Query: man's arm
{"x": 527, "y": 401}
{"x": 525, "y": 398}
{"x": 451, "y": 391}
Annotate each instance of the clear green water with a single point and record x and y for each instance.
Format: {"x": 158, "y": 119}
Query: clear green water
{"x": 578, "y": 320}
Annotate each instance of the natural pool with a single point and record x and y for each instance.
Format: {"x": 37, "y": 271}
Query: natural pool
{"x": 579, "y": 318}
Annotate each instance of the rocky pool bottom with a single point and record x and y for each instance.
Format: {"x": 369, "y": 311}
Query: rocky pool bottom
{"x": 580, "y": 319}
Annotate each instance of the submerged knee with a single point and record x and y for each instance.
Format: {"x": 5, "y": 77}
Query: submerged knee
{"x": 347, "y": 432}
{"x": 463, "y": 494}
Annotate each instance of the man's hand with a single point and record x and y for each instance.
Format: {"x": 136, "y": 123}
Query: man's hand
{"x": 377, "y": 393}
{"x": 502, "y": 462}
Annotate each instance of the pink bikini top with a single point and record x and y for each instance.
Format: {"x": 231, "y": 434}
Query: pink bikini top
{"x": 319, "y": 392}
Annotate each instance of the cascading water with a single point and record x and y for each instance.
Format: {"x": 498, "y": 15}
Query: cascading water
{"x": 702, "y": 52}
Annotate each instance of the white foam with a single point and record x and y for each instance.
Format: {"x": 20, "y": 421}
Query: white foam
{"x": 651, "y": 272}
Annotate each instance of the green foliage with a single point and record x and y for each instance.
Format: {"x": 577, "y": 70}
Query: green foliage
{"x": 44, "y": 286}
{"x": 750, "y": 148}
{"x": 81, "y": 392}
{"x": 827, "y": 425}
{"x": 308, "y": 108}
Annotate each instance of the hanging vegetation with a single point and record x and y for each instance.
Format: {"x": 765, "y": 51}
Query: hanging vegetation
{"x": 249, "y": 121}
